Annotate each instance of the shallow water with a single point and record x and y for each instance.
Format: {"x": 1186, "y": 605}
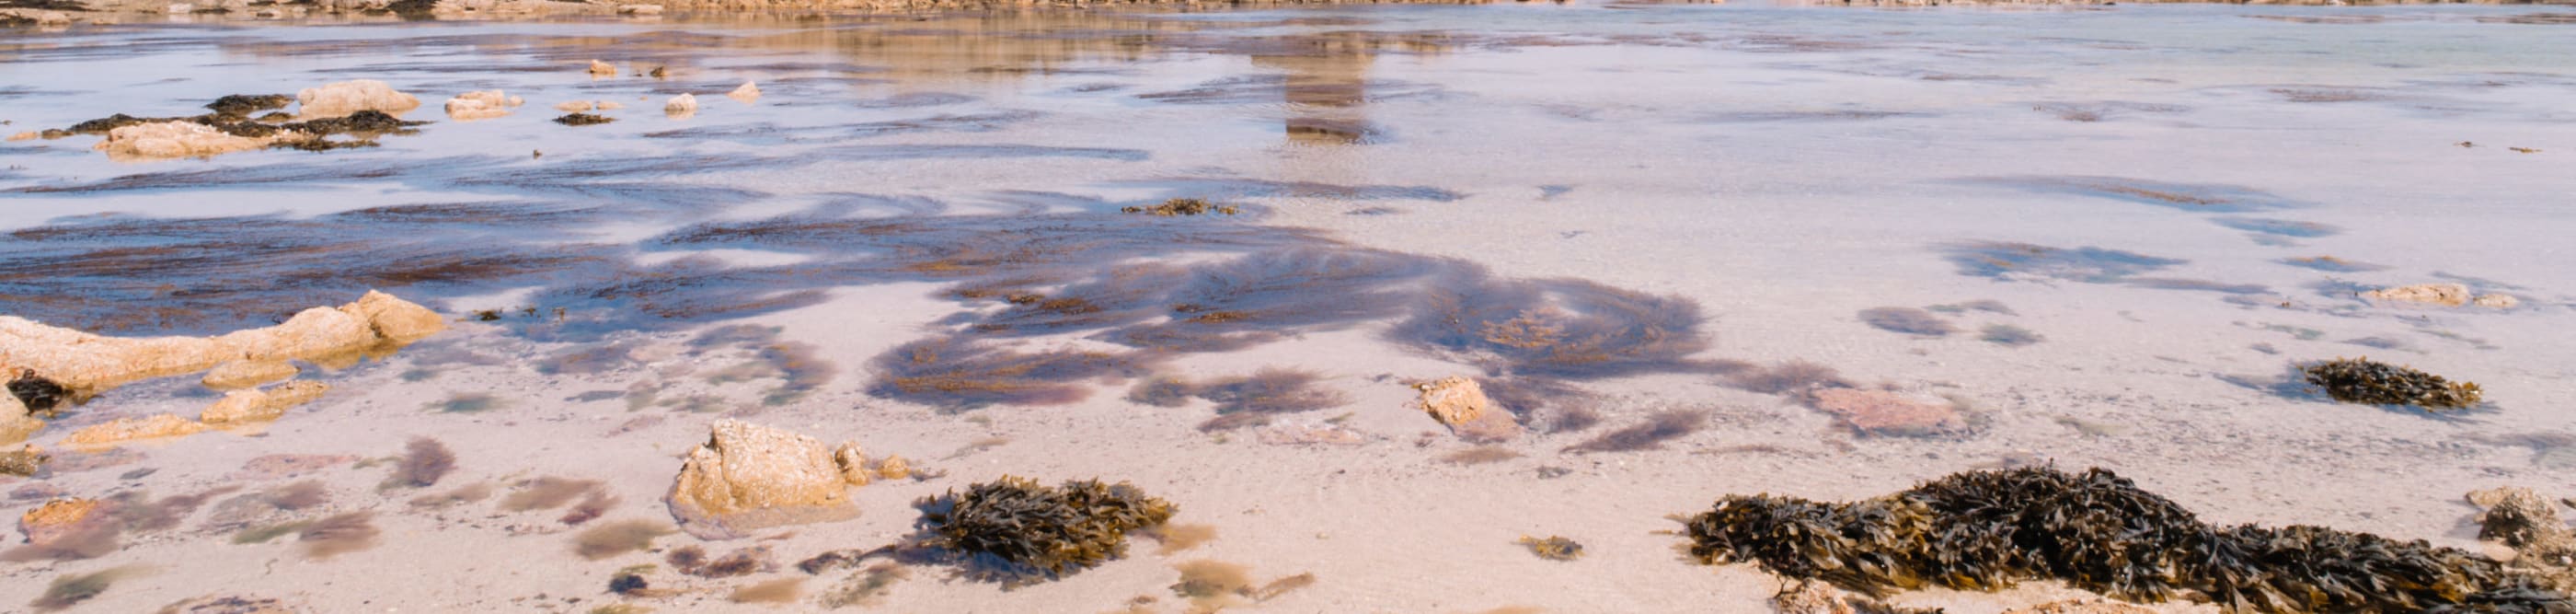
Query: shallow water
{"x": 1611, "y": 212}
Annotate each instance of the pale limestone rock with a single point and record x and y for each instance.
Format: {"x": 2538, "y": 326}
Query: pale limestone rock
{"x": 394, "y": 319}
{"x": 894, "y": 468}
{"x": 174, "y": 139}
{"x": 249, "y": 406}
{"x": 853, "y": 464}
{"x": 123, "y": 430}
{"x": 746, "y": 94}
{"x": 23, "y": 136}
{"x": 1461, "y": 404}
{"x": 2496, "y": 301}
{"x": 346, "y": 97}
{"x": 681, "y": 106}
{"x": 61, "y": 517}
{"x": 575, "y": 106}
{"x": 486, "y": 104}
{"x": 2447, "y": 295}
{"x": 25, "y": 461}
{"x": 319, "y": 331}
{"x": 606, "y": 105}
{"x": 41, "y": 18}
{"x": 748, "y": 477}
{"x": 1879, "y": 412}
{"x": 602, "y": 69}
{"x": 1811, "y": 598}
{"x": 247, "y": 373}
{"x": 15, "y": 424}
{"x": 639, "y": 9}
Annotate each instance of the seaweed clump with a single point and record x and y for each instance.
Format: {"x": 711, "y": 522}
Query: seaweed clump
{"x": 583, "y": 119}
{"x": 1182, "y": 206}
{"x": 1987, "y": 530}
{"x": 1554, "y": 548}
{"x": 2362, "y": 380}
{"x": 40, "y": 395}
{"x": 1016, "y": 531}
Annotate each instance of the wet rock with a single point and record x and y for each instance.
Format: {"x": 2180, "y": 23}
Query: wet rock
{"x": 2082, "y": 607}
{"x": 34, "y": 395}
{"x": 894, "y": 468}
{"x": 62, "y": 517}
{"x": 2496, "y": 301}
{"x": 680, "y": 106}
{"x": 853, "y": 464}
{"x": 249, "y": 406}
{"x": 2447, "y": 295}
{"x": 639, "y": 9}
{"x": 1878, "y": 412}
{"x": 123, "y": 430}
{"x": 583, "y": 119}
{"x": 1811, "y": 598}
{"x": 25, "y": 461}
{"x": 347, "y": 97}
{"x": 1461, "y": 404}
{"x": 33, "y": 17}
{"x": 175, "y": 139}
{"x": 92, "y": 363}
{"x": 746, "y": 94}
{"x": 748, "y": 476}
{"x": 602, "y": 69}
{"x": 15, "y": 424}
{"x": 486, "y": 104}
{"x": 247, "y": 373}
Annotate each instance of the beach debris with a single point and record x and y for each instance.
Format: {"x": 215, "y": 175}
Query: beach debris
{"x": 583, "y": 119}
{"x": 1016, "y": 531}
{"x": 680, "y": 106}
{"x": 2370, "y": 382}
{"x": 602, "y": 69}
{"x": 746, "y": 94}
{"x": 747, "y": 476}
{"x": 1181, "y": 206}
{"x": 1879, "y": 412}
{"x": 1989, "y": 530}
{"x": 255, "y": 405}
{"x": 1461, "y": 404}
{"x": 240, "y": 374}
{"x": 485, "y": 104}
{"x": 24, "y": 462}
{"x": 349, "y": 97}
{"x": 1553, "y": 548}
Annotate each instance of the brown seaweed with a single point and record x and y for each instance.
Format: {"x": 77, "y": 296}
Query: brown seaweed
{"x": 1658, "y": 428}
{"x": 423, "y": 463}
{"x": 2365, "y": 381}
{"x": 1016, "y": 531}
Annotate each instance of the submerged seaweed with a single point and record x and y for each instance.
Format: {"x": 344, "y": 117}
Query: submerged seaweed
{"x": 2362, "y": 380}
{"x": 1016, "y": 531}
{"x": 1988, "y": 530}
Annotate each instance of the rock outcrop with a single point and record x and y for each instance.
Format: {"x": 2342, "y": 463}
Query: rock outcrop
{"x": 2447, "y": 295}
{"x": 746, "y": 94}
{"x": 121, "y": 430}
{"x": 853, "y": 464}
{"x": 91, "y": 363}
{"x": 1879, "y": 412}
{"x": 346, "y": 97}
{"x": 174, "y": 139}
{"x": 15, "y": 424}
{"x": 252, "y": 406}
{"x": 747, "y": 477}
{"x": 486, "y": 104}
{"x": 1461, "y": 404}
{"x": 248, "y": 373}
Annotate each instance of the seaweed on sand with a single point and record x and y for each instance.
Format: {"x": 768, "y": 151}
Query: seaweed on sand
{"x": 1016, "y": 531}
{"x": 423, "y": 463}
{"x": 1266, "y": 392}
{"x": 71, "y": 589}
{"x": 1564, "y": 328}
{"x": 2362, "y": 380}
{"x": 1657, "y": 429}
{"x": 956, "y": 374}
{"x": 1987, "y": 530}
{"x": 620, "y": 537}
{"x": 1907, "y": 320}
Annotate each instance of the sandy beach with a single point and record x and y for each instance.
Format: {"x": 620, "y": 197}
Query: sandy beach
{"x": 1685, "y": 251}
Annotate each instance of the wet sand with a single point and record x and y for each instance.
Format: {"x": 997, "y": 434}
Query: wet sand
{"x": 1610, "y": 213}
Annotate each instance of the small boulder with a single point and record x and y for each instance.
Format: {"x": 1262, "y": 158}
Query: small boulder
{"x": 123, "y": 430}
{"x": 853, "y": 464}
{"x": 486, "y": 104}
{"x": 25, "y": 461}
{"x": 748, "y": 477}
{"x": 249, "y": 406}
{"x": 608, "y": 105}
{"x": 248, "y": 373}
{"x": 602, "y": 69}
{"x": 346, "y": 97}
{"x": 2521, "y": 519}
{"x": 61, "y": 517}
{"x": 681, "y": 106}
{"x": 894, "y": 468}
{"x": 1879, "y": 412}
{"x": 746, "y": 94}
{"x": 2496, "y": 301}
{"x": 394, "y": 319}
{"x": 2447, "y": 295}
{"x": 1810, "y": 598}
{"x": 1461, "y": 404}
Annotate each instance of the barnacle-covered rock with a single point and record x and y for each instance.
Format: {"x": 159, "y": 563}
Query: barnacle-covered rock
{"x": 2362, "y": 380}
{"x": 748, "y": 476}
{"x": 1986, "y": 530}
{"x": 2544, "y": 547}
{"x": 1016, "y": 531}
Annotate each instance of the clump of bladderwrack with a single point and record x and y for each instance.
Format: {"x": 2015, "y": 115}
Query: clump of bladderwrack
{"x": 1016, "y": 531}
{"x": 1182, "y": 206}
{"x": 2362, "y": 380}
{"x": 1987, "y": 530}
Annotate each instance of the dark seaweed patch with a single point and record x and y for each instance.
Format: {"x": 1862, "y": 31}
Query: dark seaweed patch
{"x": 40, "y": 396}
{"x": 2365, "y": 381}
{"x": 2331, "y": 264}
{"x": 2008, "y": 335}
{"x": 69, "y": 590}
{"x": 1265, "y": 392}
{"x": 2203, "y": 198}
{"x": 583, "y": 119}
{"x": 1563, "y": 328}
{"x": 423, "y": 463}
{"x": 949, "y": 373}
{"x": 2282, "y": 228}
{"x": 1663, "y": 426}
{"x": 1907, "y": 320}
{"x": 1988, "y": 530}
{"x": 2002, "y": 260}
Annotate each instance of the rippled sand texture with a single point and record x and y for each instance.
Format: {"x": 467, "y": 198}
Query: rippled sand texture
{"x": 1694, "y": 250}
